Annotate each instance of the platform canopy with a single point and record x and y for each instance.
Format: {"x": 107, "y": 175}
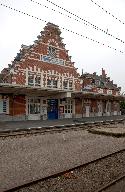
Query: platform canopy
{"x": 92, "y": 95}
{"x": 33, "y": 91}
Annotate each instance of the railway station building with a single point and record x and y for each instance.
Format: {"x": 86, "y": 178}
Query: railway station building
{"x": 42, "y": 83}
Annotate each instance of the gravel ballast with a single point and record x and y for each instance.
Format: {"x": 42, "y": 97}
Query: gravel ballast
{"x": 28, "y": 158}
{"x": 88, "y": 178}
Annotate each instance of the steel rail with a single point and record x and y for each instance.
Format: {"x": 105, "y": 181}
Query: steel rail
{"x": 72, "y": 169}
{"x": 110, "y": 184}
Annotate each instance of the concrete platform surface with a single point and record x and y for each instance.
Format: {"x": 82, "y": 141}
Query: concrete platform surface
{"x": 27, "y": 158}
{"x": 12, "y": 125}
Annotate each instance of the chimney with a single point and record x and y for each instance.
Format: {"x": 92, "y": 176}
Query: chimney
{"x": 82, "y": 71}
{"x": 103, "y": 73}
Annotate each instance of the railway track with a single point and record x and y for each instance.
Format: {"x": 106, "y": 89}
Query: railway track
{"x": 111, "y": 184}
{"x": 56, "y": 128}
{"x": 94, "y": 176}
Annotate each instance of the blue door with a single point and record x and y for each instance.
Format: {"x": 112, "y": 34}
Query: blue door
{"x": 52, "y": 109}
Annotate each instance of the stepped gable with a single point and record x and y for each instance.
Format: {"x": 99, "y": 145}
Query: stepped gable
{"x": 53, "y": 31}
{"x": 35, "y": 58}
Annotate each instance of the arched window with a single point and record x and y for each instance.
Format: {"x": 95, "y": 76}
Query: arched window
{"x": 52, "y": 52}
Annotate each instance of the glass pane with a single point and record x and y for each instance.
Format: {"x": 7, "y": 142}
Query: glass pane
{"x": 48, "y": 82}
{"x": 65, "y": 84}
{"x": 37, "y": 108}
{"x": 52, "y": 52}
{"x": 68, "y": 106}
{"x": 37, "y": 80}
{"x": 70, "y": 84}
{"x": 31, "y": 101}
{"x": 32, "y": 109}
{"x": 55, "y": 83}
{"x": 30, "y": 80}
{"x": 36, "y": 100}
{"x": 69, "y": 102}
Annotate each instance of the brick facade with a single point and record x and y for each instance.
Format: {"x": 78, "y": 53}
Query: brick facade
{"x": 44, "y": 81}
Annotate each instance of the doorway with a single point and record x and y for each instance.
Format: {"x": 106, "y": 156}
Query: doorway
{"x": 52, "y": 109}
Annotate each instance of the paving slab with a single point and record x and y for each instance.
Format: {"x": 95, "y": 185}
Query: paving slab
{"x": 27, "y": 158}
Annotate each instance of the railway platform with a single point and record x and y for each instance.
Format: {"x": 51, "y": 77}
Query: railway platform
{"x": 13, "y": 125}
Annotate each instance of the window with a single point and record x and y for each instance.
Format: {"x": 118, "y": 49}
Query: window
{"x": 44, "y": 101}
{"x": 49, "y": 83}
{"x": 52, "y": 83}
{"x": 52, "y": 52}
{"x": 55, "y": 83}
{"x": 34, "y": 106}
{"x": 65, "y": 84}
{"x": 100, "y": 90}
{"x": 70, "y": 85}
{"x": 62, "y": 101}
{"x": 34, "y": 80}
{"x": 3, "y": 106}
{"x": 37, "y": 80}
{"x": 31, "y": 80}
{"x": 109, "y": 92}
{"x": 102, "y": 83}
{"x": 97, "y": 82}
{"x": 93, "y": 81}
{"x": 68, "y": 106}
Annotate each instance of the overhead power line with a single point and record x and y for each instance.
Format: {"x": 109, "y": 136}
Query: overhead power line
{"x": 108, "y": 12}
{"x": 78, "y": 17}
{"x": 58, "y": 12}
{"x": 85, "y": 23}
{"x": 78, "y": 34}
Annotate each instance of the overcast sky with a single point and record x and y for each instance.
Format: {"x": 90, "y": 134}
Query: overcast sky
{"x": 17, "y": 29}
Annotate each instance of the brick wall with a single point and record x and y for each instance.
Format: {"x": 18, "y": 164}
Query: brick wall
{"x": 17, "y": 105}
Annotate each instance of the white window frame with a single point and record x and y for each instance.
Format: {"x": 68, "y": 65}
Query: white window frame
{"x": 68, "y": 107}
{"x": 51, "y": 85}
{"x": 109, "y": 92}
{"x": 4, "y": 106}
